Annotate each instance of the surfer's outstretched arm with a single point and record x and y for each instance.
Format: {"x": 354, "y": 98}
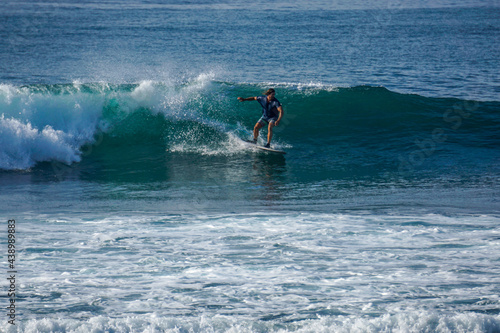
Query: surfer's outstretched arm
{"x": 241, "y": 99}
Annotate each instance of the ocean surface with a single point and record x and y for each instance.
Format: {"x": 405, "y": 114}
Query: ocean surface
{"x": 139, "y": 209}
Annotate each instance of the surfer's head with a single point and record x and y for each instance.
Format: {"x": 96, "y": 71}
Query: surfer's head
{"x": 269, "y": 92}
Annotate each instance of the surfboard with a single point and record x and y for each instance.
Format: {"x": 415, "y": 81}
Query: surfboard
{"x": 254, "y": 145}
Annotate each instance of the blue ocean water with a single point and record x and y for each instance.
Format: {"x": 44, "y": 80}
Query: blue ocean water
{"x": 139, "y": 209}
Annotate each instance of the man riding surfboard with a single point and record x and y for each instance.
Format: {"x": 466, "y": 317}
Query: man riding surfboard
{"x": 272, "y": 112}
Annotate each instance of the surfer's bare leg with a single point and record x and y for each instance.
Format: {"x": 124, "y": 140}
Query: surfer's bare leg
{"x": 256, "y": 130}
{"x": 270, "y": 131}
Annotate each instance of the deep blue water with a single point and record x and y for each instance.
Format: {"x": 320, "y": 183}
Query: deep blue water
{"x": 441, "y": 52}
{"x": 138, "y": 208}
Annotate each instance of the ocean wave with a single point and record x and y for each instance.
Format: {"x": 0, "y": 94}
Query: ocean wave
{"x": 44, "y": 123}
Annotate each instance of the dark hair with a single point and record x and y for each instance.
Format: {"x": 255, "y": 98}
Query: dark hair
{"x": 269, "y": 92}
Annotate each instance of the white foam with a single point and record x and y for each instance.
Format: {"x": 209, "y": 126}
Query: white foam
{"x": 22, "y": 146}
{"x": 37, "y": 126}
{"x": 414, "y": 322}
{"x": 314, "y": 272}
{"x": 311, "y": 87}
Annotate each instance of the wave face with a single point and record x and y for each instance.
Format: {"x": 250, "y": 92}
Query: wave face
{"x": 350, "y": 130}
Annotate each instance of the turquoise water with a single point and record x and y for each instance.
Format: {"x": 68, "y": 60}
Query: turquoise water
{"x": 138, "y": 208}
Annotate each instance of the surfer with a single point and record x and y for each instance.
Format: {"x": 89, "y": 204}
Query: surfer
{"x": 272, "y": 112}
